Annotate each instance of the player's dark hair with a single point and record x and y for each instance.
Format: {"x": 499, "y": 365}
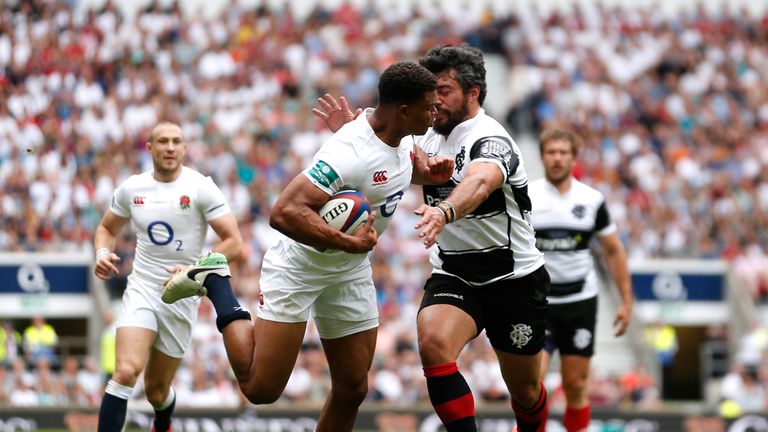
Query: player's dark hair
{"x": 557, "y": 134}
{"x": 405, "y": 82}
{"x": 466, "y": 60}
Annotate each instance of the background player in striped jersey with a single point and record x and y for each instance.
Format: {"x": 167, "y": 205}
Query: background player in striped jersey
{"x": 567, "y": 215}
{"x": 334, "y": 286}
{"x": 171, "y": 207}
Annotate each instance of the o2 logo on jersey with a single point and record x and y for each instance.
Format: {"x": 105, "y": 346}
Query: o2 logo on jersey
{"x": 388, "y": 208}
{"x": 161, "y": 234}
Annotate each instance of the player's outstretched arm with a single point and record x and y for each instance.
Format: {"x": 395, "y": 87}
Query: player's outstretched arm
{"x": 334, "y": 113}
{"x": 104, "y": 241}
{"x": 295, "y": 215}
{"x": 481, "y": 179}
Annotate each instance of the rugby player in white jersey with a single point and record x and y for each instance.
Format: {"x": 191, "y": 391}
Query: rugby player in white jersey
{"x": 171, "y": 207}
{"x": 319, "y": 271}
{"x": 487, "y": 273}
{"x": 567, "y": 215}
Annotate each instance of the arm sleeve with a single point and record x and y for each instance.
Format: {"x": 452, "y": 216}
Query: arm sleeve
{"x": 212, "y": 200}
{"x": 121, "y": 205}
{"x": 497, "y": 150}
{"x": 336, "y": 167}
{"x": 603, "y": 223}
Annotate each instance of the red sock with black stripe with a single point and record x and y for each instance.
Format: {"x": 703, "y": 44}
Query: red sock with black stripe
{"x": 451, "y": 397}
{"x": 576, "y": 419}
{"x": 533, "y": 419}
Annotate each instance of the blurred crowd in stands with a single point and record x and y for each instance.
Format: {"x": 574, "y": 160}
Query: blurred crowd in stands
{"x": 674, "y": 115}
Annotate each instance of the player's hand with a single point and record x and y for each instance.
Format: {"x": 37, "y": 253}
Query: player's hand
{"x": 106, "y": 265}
{"x": 439, "y": 169}
{"x": 366, "y": 235}
{"x": 172, "y": 271}
{"x": 623, "y": 316}
{"x": 335, "y": 114}
{"x": 431, "y": 224}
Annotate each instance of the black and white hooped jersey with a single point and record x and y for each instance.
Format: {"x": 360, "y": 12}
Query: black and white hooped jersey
{"x": 171, "y": 220}
{"x": 565, "y": 225}
{"x": 496, "y": 241}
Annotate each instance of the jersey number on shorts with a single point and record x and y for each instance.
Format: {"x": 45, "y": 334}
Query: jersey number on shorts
{"x": 161, "y": 233}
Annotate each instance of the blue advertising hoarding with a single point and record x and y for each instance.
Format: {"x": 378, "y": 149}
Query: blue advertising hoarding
{"x": 44, "y": 283}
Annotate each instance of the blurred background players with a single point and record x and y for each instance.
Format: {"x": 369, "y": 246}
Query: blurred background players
{"x": 171, "y": 207}
{"x": 567, "y": 215}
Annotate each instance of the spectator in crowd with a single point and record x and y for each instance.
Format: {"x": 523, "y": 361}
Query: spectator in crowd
{"x": 40, "y": 341}
{"x": 662, "y": 338}
{"x": 10, "y": 342}
{"x": 107, "y": 348}
{"x": 639, "y": 388}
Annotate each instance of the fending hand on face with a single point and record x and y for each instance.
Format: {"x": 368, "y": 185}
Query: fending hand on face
{"x": 335, "y": 113}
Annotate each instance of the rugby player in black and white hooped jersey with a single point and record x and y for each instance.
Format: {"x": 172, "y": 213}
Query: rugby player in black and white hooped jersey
{"x": 567, "y": 216}
{"x": 487, "y": 273}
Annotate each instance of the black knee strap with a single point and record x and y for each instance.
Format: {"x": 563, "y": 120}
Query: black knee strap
{"x": 224, "y": 320}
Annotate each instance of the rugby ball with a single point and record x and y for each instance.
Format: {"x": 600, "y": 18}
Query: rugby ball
{"x": 346, "y": 211}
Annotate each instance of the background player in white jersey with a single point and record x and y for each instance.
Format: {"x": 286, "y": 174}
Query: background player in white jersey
{"x": 171, "y": 207}
{"x": 487, "y": 273}
{"x": 319, "y": 271}
{"x": 567, "y": 215}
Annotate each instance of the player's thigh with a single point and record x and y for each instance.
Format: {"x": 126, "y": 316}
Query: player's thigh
{"x": 350, "y": 357}
{"x": 449, "y": 317}
{"x": 514, "y": 313}
{"x": 346, "y": 305}
{"x": 132, "y": 345}
{"x": 572, "y": 327}
{"x": 277, "y": 348}
{"x": 287, "y": 293}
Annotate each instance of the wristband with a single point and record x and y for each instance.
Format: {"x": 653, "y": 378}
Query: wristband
{"x": 448, "y": 210}
{"x": 445, "y": 213}
{"x": 102, "y": 251}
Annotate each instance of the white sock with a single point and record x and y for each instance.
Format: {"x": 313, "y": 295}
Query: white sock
{"x": 118, "y": 390}
{"x": 167, "y": 402}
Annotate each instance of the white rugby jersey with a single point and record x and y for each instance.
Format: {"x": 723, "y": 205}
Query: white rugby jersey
{"x": 496, "y": 241}
{"x": 355, "y": 158}
{"x": 171, "y": 220}
{"x": 565, "y": 225}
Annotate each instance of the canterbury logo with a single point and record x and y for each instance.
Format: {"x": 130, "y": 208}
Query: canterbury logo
{"x": 380, "y": 176}
{"x": 138, "y": 200}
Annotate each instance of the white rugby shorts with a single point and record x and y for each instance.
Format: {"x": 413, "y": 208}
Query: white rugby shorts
{"x": 143, "y": 308}
{"x": 340, "y": 303}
